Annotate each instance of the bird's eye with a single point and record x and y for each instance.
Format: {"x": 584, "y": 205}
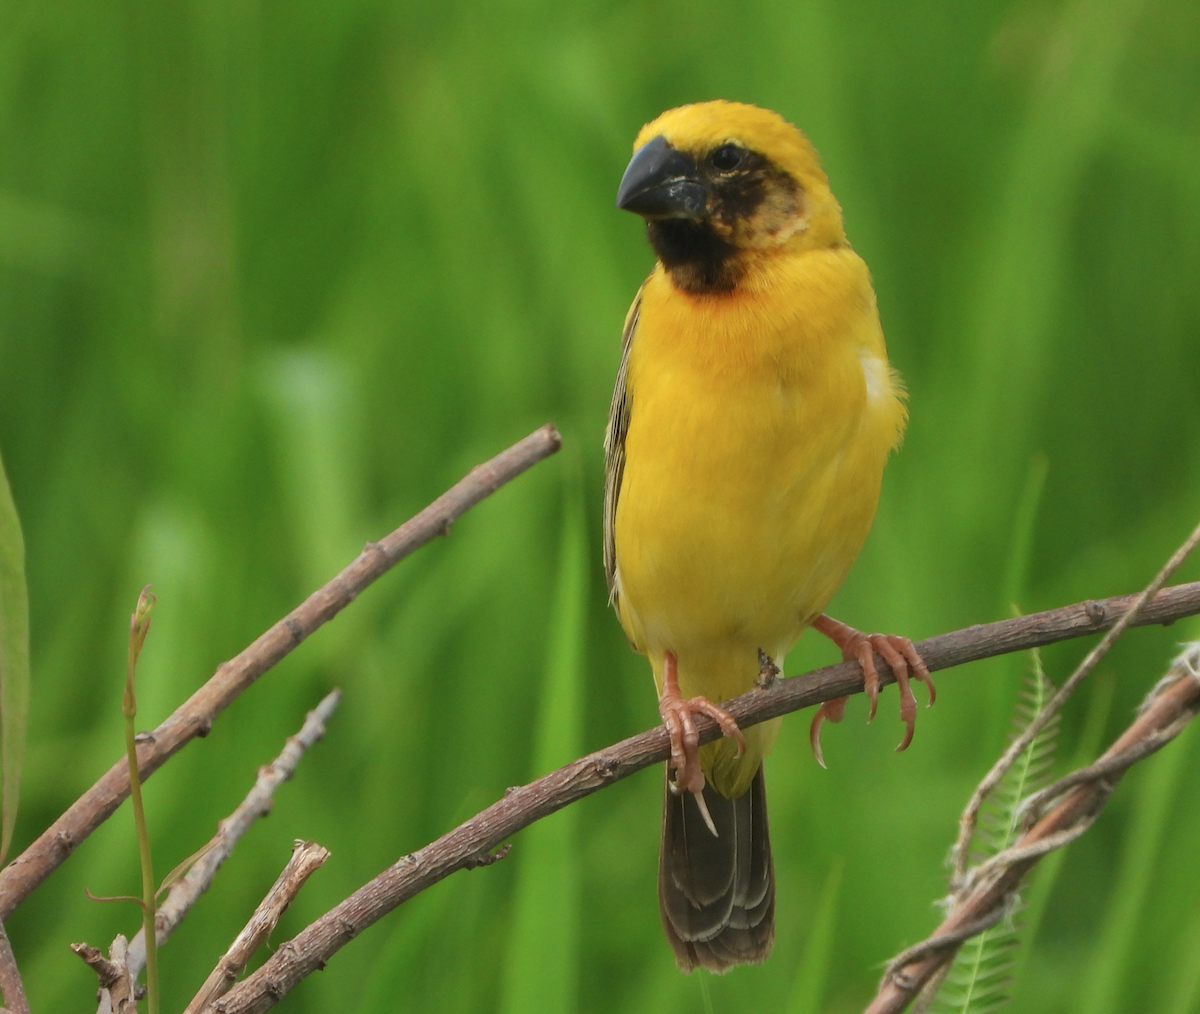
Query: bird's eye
{"x": 727, "y": 158}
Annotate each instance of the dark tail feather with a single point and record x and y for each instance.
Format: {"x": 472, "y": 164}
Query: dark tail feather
{"x": 716, "y": 895}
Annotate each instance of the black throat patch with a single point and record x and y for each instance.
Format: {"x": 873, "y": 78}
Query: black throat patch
{"x": 696, "y": 258}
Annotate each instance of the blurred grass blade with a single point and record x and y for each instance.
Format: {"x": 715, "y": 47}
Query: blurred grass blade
{"x": 1006, "y": 674}
{"x": 14, "y": 661}
{"x": 1185, "y": 996}
{"x": 396, "y": 967}
{"x": 310, "y": 395}
{"x": 1016, "y": 577}
{"x": 813, "y": 971}
{"x": 542, "y": 968}
{"x": 1146, "y": 836}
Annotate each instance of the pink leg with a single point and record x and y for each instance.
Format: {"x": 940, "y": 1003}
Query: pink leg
{"x": 900, "y": 656}
{"x": 677, "y": 715}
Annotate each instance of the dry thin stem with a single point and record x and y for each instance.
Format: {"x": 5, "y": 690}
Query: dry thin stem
{"x": 186, "y": 891}
{"x": 118, "y": 974}
{"x": 473, "y": 841}
{"x": 988, "y": 889}
{"x": 306, "y": 857}
{"x": 970, "y": 817}
{"x": 10, "y": 977}
{"x": 1034, "y": 806}
{"x": 117, "y": 993}
{"x": 950, "y": 940}
{"x": 195, "y": 716}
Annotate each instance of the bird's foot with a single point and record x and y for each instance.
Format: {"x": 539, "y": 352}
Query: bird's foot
{"x": 678, "y": 716}
{"x": 900, "y": 656}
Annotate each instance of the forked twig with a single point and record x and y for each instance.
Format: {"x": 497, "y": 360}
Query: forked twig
{"x": 119, "y": 972}
{"x": 117, "y": 994}
{"x": 10, "y": 977}
{"x": 988, "y": 889}
{"x": 970, "y": 817}
{"x": 307, "y": 856}
{"x": 195, "y": 716}
{"x": 186, "y": 891}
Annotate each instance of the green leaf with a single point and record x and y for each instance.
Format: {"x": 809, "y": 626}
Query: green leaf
{"x": 186, "y": 865}
{"x": 14, "y": 662}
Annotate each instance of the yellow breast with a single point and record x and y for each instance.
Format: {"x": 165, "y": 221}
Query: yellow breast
{"x": 760, "y": 423}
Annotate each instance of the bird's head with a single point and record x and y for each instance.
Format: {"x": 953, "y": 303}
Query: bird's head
{"x": 723, "y": 185}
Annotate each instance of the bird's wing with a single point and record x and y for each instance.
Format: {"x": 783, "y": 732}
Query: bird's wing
{"x": 614, "y": 449}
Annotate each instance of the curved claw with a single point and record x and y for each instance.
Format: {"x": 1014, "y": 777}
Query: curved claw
{"x": 870, "y": 682}
{"x": 892, "y": 648}
{"x": 814, "y": 737}
{"x": 834, "y": 710}
{"x": 908, "y": 657}
{"x": 923, "y": 675}
{"x": 703, "y": 806}
{"x": 908, "y": 711}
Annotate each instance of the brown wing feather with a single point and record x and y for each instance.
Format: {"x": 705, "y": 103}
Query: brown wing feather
{"x": 614, "y": 449}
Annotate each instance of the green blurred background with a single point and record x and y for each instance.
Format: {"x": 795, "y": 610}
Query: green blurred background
{"x": 273, "y": 275}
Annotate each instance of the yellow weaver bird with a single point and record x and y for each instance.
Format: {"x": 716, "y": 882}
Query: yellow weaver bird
{"x": 753, "y": 412}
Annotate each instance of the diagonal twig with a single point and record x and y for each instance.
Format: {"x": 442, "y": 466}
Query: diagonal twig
{"x": 118, "y": 973}
{"x": 988, "y": 889}
{"x": 10, "y": 977}
{"x": 470, "y": 842}
{"x": 195, "y": 716}
{"x": 966, "y": 826}
{"x": 307, "y": 856}
{"x": 117, "y": 993}
{"x": 186, "y": 891}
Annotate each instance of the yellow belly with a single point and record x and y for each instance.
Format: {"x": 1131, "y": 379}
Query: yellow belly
{"x": 754, "y": 456}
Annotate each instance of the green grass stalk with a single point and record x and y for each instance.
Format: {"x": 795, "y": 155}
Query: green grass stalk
{"x": 1147, "y": 836}
{"x": 14, "y": 661}
{"x": 542, "y": 967}
{"x": 139, "y": 625}
{"x": 813, "y": 970}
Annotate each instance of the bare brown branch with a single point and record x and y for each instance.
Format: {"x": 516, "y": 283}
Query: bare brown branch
{"x": 119, "y": 973}
{"x": 195, "y": 716}
{"x": 466, "y": 844}
{"x": 306, "y": 857}
{"x": 186, "y": 891}
{"x": 117, "y": 989}
{"x": 10, "y": 977}
{"x": 987, "y": 889}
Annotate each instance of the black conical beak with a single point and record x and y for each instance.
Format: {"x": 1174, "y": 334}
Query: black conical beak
{"x": 663, "y": 182}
